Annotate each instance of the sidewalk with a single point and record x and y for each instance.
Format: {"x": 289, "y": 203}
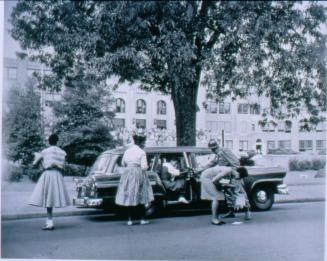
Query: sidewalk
{"x": 303, "y": 187}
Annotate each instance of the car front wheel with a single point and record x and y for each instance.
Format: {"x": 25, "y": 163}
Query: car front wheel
{"x": 262, "y": 198}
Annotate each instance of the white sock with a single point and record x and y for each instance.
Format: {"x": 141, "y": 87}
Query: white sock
{"x": 49, "y": 222}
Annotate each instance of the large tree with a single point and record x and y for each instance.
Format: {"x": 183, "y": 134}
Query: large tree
{"x": 84, "y": 118}
{"x": 236, "y": 48}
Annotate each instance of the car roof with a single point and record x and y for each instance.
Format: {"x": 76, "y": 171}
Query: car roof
{"x": 178, "y": 149}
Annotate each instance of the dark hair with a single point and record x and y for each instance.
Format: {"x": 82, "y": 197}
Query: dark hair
{"x": 138, "y": 140}
{"x": 243, "y": 172}
{"x": 53, "y": 139}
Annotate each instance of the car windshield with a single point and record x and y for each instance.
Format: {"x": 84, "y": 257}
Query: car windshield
{"x": 101, "y": 164}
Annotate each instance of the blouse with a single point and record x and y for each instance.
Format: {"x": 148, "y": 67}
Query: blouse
{"x": 134, "y": 155}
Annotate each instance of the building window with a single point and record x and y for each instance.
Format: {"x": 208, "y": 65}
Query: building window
{"x": 161, "y": 108}
{"x": 212, "y": 126}
{"x": 320, "y": 145}
{"x": 306, "y": 145}
{"x": 253, "y": 127}
{"x": 243, "y": 127}
{"x": 284, "y": 144}
{"x": 119, "y": 123}
{"x": 12, "y": 73}
{"x": 281, "y": 126}
{"x": 270, "y": 145}
{"x": 140, "y": 123}
{"x": 243, "y": 108}
{"x": 212, "y": 107}
{"x": 161, "y": 124}
{"x": 272, "y": 126}
{"x": 120, "y": 105}
{"x": 288, "y": 126}
{"x": 255, "y": 109}
{"x": 243, "y": 145}
{"x": 140, "y": 106}
{"x": 224, "y": 108}
{"x": 219, "y": 126}
{"x": 229, "y": 144}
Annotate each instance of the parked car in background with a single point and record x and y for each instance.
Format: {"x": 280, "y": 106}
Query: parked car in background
{"x": 99, "y": 188}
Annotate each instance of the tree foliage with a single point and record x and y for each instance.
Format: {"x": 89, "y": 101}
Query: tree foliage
{"x": 236, "y": 48}
{"x": 22, "y": 124}
{"x": 84, "y": 119}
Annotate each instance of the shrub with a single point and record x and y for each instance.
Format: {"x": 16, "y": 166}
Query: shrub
{"x": 318, "y": 164}
{"x": 293, "y": 164}
{"x": 301, "y": 165}
{"x": 75, "y": 170}
{"x": 15, "y": 173}
{"x": 279, "y": 151}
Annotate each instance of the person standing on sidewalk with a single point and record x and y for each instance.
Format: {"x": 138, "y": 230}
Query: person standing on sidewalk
{"x": 134, "y": 190}
{"x": 50, "y": 190}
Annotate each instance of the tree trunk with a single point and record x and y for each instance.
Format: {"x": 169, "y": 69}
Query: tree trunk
{"x": 184, "y": 99}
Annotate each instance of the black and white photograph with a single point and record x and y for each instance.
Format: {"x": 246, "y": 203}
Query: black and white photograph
{"x": 163, "y": 130}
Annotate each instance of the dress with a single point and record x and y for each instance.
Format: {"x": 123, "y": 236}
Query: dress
{"x": 50, "y": 190}
{"x": 208, "y": 188}
{"x": 134, "y": 185}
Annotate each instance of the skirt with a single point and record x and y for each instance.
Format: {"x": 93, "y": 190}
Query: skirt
{"x": 208, "y": 188}
{"x": 134, "y": 188}
{"x": 50, "y": 191}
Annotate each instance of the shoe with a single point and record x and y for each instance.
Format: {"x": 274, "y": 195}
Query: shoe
{"x": 247, "y": 215}
{"x": 230, "y": 214}
{"x": 183, "y": 200}
{"x": 144, "y": 222}
{"x": 47, "y": 227}
{"x": 129, "y": 223}
{"x": 217, "y": 222}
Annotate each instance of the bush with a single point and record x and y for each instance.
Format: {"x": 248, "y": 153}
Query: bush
{"x": 318, "y": 164}
{"x": 15, "y": 173}
{"x": 75, "y": 170}
{"x": 281, "y": 151}
{"x": 33, "y": 173}
{"x": 293, "y": 164}
{"x": 301, "y": 165}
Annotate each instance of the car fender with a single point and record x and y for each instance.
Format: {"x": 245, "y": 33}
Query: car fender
{"x": 270, "y": 182}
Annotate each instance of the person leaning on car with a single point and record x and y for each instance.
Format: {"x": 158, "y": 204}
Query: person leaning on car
{"x": 213, "y": 171}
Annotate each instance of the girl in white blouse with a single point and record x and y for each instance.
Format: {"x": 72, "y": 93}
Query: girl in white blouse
{"x": 134, "y": 190}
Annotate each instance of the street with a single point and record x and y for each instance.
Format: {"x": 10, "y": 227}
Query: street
{"x": 287, "y": 232}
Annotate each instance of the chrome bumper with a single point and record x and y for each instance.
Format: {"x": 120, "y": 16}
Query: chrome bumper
{"x": 282, "y": 189}
{"x": 87, "y": 202}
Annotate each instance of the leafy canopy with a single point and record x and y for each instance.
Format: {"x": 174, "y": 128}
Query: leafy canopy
{"x": 237, "y": 48}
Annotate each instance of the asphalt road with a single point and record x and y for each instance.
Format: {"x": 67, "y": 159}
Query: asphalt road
{"x": 287, "y": 232}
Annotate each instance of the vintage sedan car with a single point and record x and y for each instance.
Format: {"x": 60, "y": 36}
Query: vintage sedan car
{"x": 99, "y": 188}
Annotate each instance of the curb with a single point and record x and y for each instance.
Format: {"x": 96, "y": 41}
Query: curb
{"x": 9, "y": 217}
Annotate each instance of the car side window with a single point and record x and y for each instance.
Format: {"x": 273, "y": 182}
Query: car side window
{"x": 118, "y": 167}
{"x": 152, "y": 161}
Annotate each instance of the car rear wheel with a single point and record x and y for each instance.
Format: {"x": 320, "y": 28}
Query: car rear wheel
{"x": 262, "y": 198}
